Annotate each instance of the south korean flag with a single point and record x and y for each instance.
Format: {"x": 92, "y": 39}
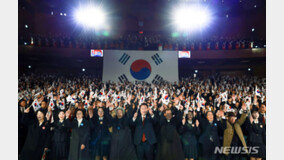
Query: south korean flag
{"x": 131, "y": 66}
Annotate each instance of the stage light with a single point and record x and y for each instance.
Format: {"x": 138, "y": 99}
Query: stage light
{"x": 106, "y": 33}
{"x": 252, "y": 29}
{"x": 30, "y": 66}
{"x": 26, "y": 26}
{"x": 249, "y": 69}
{"x": 25, "y": 43}
{"x": 196, "y": 71}
{"x": 65, "y": 14}
{"x": 175, "y": 34}
{"x": 91, "y": 17}
{"x": 227, "y": 16}
{"x": 61, "y": 14}
{"x": 83, "y": 70}
{"x": 191, "y": 17}
{"x": 51, "y": 13}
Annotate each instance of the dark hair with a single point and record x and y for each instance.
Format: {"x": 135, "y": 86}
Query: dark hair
{"x": 81, "y": 111}
{"x": 43, "y": 111}
{"x": 144, "y": 104}
{"x": 208, "y": 112}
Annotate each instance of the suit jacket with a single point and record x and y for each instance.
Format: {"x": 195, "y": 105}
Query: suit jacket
{"x": 148, "y": 129}
{"x": 209, "y": 132}
{"x": 229, "y": 133}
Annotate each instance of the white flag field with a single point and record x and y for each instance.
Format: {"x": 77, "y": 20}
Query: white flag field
{"x": 149, "y": 66}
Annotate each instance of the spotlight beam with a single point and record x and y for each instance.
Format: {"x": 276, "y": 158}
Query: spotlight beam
{"x": 192, "y": 17}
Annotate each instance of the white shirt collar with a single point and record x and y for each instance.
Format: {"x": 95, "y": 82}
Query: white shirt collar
{"x": 79, "y": 121}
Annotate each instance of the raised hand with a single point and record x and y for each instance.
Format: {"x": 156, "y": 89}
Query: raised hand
{"x": 183, "y": 121}
{"x": 135, "y": 115}
{"x": 197, "y": 123}
{"x": 150, "y": 111}
{"x": 27, "y": 110}
{"x": 82, "y": 146}
{"x": 68, "y": 112}
{"x": 251, "y": 119}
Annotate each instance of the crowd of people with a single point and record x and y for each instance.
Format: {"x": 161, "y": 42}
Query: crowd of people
{"x": 82, "y": 118}
{"x": 136, "y": 41}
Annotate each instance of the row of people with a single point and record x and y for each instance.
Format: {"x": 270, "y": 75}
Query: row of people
{"x": 137, "y": 43}
{"x": 166, "y": 133}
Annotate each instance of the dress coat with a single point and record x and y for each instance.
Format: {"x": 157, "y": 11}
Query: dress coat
{"x": 79, "y": 135}
{"x": 38, "y": 138}
{"x": 122, "y": 147}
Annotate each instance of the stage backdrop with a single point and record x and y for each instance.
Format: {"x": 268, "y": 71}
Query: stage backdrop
{"x": 150, "y": 66}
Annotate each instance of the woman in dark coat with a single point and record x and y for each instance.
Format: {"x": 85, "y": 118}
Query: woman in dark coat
{"x": 256, "y": 130}
{"x": 169, "y": 146}
{"x": 80, "y": 136}
{"x": 38, "y": 138}
{"x": 100, "y": 123}
{"x": 122, "y": 147}
{"x": 209, "y": 137}
{"x": 60, "y": 136}
{"x": 190, "y": 130}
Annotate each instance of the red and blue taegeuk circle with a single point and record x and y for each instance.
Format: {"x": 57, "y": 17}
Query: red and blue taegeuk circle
{"x": 140, "y": 69}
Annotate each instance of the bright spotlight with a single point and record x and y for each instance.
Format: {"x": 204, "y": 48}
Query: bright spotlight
{"x": 196, "y": 71}
{"x": 91, "y": 17}
{"x": 83, "y": 69}
{"x": 191, "y": 17}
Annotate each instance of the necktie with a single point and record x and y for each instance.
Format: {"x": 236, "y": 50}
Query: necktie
{"x": 143, "y": 136}
{"x": 263, "y": 120}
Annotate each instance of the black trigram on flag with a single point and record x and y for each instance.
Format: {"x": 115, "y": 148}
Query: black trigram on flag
{"x": 124, "y": 58}
{"x": 158, "y": 79}
{"x": 123, "y": 78}
{"x": 156, "y": 58}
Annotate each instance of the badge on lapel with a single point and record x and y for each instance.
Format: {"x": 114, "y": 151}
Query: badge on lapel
{"x": 261, "y": 126}
{"x": 81, "y": 124}
{"x": 43, "y": 127}
{"x": 192, "y": 125}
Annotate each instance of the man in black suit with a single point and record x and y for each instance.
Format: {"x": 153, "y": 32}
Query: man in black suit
{"x": 209, "y": 138}
{"x": 144, "y": 136}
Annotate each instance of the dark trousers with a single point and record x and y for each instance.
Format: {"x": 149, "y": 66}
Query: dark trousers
{"x": 145, "y": 149}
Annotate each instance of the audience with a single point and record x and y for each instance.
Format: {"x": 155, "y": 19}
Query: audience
{"x": 81, "y": 117}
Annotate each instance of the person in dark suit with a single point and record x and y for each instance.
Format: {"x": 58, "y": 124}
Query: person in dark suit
{"x": 256, "y": 132}
{"x": 80, "y": 136}
{"x": 209, "y": 138}
{"x": 122, "y": 147}
{"x": 169, "y": 144}
{"x": 60, "y": 138}
{"x": 144, "y": 135}
{"x": 189, "y": 131}
{"x": 23, "y": 130}
{"x": 38, "y": 138}
{"x": 101, "y": 124}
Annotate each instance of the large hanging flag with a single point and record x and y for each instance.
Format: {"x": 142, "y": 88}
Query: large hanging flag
{"x": 149, "y": 66}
